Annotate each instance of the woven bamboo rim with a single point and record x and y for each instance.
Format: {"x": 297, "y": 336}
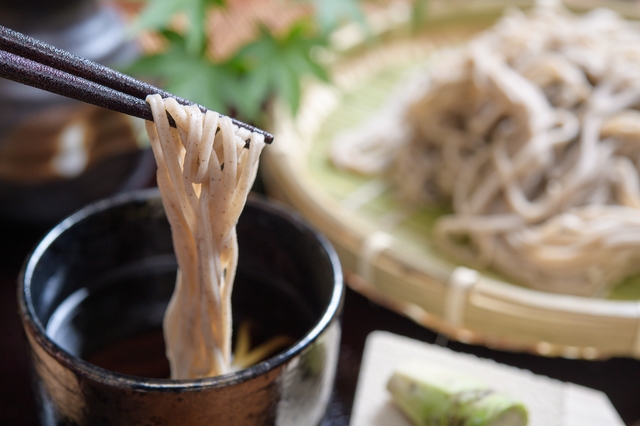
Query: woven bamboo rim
{"x": 485, "y": 311}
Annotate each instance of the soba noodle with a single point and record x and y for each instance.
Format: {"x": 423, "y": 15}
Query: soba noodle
{"x": 531, "y": 131}
{"x": 205, "y": 170}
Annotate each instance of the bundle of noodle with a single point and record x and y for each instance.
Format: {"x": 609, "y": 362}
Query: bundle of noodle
{"x": 206, "y": 167}
{"x": 532, "y": 132}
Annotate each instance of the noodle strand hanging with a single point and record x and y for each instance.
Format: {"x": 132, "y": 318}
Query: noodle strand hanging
{"x": 206, "y": 167}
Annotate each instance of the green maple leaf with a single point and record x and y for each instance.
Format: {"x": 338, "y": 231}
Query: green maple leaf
{"x": 158, "y": 13}
{"x": 275, "y": 66}
{"x": 190, "y": 76}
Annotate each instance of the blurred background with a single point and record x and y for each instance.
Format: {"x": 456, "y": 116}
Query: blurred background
{"x": 243, "y": 58}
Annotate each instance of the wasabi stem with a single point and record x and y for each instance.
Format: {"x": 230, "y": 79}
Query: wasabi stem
{"x": 434, "y": 396}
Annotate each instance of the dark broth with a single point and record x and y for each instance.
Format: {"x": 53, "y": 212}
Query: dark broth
{"x": 116, "y": 322}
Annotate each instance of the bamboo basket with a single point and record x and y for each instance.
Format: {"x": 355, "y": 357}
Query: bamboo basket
{"x": 397, "y": 266}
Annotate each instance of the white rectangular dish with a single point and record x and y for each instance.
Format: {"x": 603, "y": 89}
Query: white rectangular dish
{"x": 549, "y": 402}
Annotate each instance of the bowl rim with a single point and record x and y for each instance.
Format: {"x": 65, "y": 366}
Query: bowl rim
{"x": 34, "y": 327}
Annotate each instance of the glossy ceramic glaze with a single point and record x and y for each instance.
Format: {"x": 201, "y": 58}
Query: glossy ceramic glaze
{"x": 128, "y": 238}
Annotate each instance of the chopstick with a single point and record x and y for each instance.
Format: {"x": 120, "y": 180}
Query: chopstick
{"x": 29, "y": 61}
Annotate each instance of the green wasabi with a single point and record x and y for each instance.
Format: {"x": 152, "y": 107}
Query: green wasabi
{"x": 435, "y": 396}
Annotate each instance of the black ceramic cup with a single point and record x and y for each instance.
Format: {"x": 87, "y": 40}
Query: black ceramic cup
{"x": 93, "y": 293}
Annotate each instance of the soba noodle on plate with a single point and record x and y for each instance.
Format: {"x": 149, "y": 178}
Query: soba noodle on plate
{"x": 531, "y": 131}
{"x": 206, "y": 167}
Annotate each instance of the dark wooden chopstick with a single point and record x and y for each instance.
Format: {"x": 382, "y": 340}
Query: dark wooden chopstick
{"x": 29, "y": 61}
{"x": 43, "y": 77}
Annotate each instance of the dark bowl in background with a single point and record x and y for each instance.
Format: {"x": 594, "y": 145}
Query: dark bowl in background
{"x": 47, "y": 203}
{"x": 99, "y": 282}
{"x": 93, "y": 30}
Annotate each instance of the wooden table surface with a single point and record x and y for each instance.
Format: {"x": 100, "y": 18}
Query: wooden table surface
{"x": 619, "y": 378}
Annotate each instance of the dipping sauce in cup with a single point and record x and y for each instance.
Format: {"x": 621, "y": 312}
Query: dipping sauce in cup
{"x": 96, "y": 288}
